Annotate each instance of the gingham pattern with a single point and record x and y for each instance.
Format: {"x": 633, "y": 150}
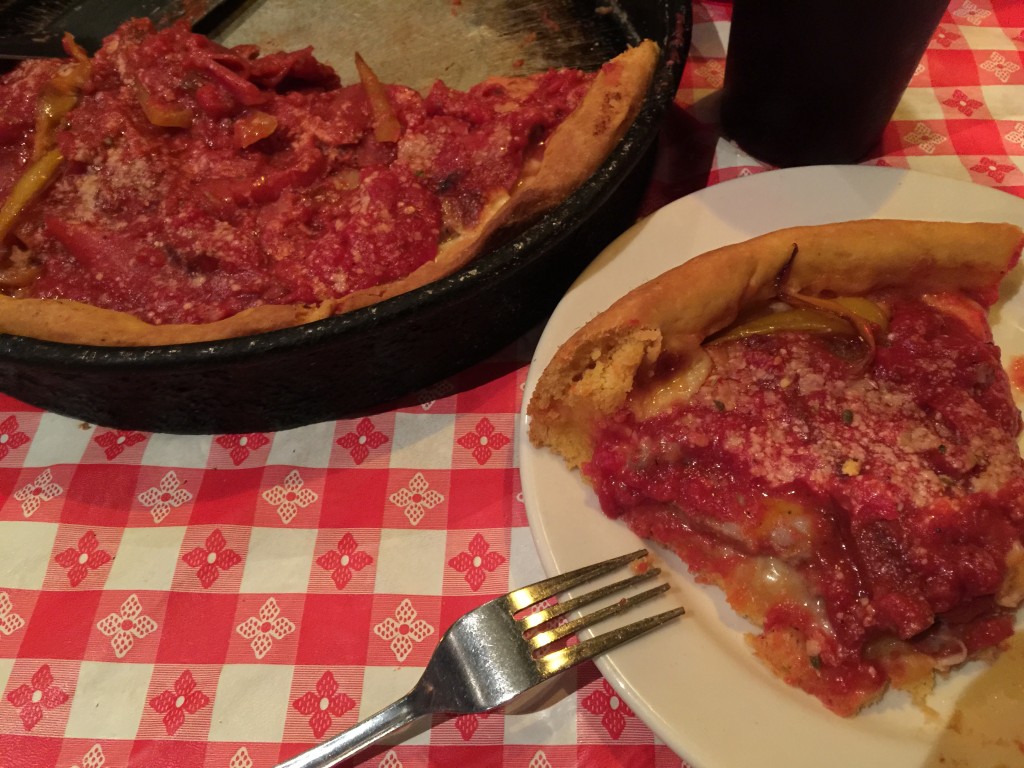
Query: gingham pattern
{"x": 229, "y": 600}
{"x": 961, "y": 117}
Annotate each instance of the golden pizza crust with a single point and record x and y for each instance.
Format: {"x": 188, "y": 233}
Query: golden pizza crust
{"x": 603, "y": 364}
{"x": 574, "y": 151}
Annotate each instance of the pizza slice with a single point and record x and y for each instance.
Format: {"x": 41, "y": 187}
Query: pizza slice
{"x": 169, "y": 189}
{"x": 816, "y": 421}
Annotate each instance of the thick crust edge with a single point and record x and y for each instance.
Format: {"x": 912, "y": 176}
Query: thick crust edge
{"x": 592, "y": 374}
{"x": 574, "y": 151}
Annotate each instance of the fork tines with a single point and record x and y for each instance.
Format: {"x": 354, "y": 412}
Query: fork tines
{"x": 570, "y": 655}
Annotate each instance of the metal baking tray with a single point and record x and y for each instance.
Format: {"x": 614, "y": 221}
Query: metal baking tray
{"x": 365, "y": 359}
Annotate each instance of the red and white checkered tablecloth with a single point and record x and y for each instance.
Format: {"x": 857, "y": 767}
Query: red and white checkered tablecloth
{"x": 230, "y": 600}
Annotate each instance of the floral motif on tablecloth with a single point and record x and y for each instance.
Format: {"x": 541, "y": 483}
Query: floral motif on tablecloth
{"x": 240, "y": 446}
{"x": 403, "y": 630}
{"x": 604, "y": 701}
{"x": 87, "y": 556}
{"x": 477, "y": 561}
{"x": 115, "y": 441}
{"x": 10, "y": 622}
{"x": 1016, "y": 136}
{"x": 241, "y": 759}
{"x": 126, "y": 626}
{"x": 1000, "y": 66}
{"x": 483, "y": 441}
{"x": 539, "y": 760}
{"x": 34, "y": 698}
{"x": 416, "y": 499}
{"x": 40, "y": 490}
{"x": 971, "y": 13}
{"x": 323, "y": 705}
{"x": 994, "y": 170}
{"x": 11, "y": 436}
{"x": 290, "y": 496}
{"x": 924, "y": 137}
{"x": 467, "y": 725}
{"x": 343, "y": 560}
{"x": 264, "y": 629}
{"x": 712, "y": 72}
{"x": 94, "y": 758}
{"x": 212, "y": 558}
{"x": 359, "y": 442}
{"x": 390, "y": 760}
{"x": 963, "y": 103}
{"x": 945, "y": 38}
{"x": 185, "y": 699}
{"x": 164, "y": 498}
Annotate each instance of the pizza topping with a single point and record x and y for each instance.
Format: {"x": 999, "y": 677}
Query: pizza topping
{"x": 804, "y": 319}
{"x": 254, "y": 126}
{"x": 866, "y": 317}
{"x": 183, "y": 182}
{"x": 674, "y": 385}
{"x": 60, "y": 95}
{"x": 164, "y": 114}
{"x": 838, "y": 505}
{"x": 813, "y": 314}
{"x": 386, "y": 127}
{"x": 31, "y": 184}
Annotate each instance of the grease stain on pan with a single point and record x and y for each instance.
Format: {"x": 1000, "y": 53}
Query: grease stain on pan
{"x": 459, "y": 41}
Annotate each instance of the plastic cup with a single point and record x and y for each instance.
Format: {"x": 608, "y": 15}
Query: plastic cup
{"x": 812, "y": 82}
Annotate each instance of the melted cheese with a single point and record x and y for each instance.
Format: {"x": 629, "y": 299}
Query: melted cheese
{"x": 768, "y": 581}
{"x": 666, "y": 391}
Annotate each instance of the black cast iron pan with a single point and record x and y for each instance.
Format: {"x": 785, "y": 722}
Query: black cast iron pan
{"x": 34, "y": 28}
{"x": 357, "y": 361}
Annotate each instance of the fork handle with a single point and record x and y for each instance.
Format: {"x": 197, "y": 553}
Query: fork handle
{"x": 358, "y": 737}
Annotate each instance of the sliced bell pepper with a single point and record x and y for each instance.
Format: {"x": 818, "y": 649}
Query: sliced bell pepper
{"x": 31, "y": 184}
{"x": 805, "y": 320}
{"x": 386, "y": 126}
{"x": 59, "y": 96}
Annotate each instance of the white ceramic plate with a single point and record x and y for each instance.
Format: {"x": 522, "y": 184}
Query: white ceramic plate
{"x": 694, "y": 682}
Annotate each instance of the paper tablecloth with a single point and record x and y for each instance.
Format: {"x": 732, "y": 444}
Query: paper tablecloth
{"x": 230, "y": 600}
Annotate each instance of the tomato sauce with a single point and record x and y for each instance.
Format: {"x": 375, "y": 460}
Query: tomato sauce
{"x": 199, "y": 180}
{"x": 847, "y": 505}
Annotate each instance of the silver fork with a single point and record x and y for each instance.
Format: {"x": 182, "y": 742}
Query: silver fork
{"x": 491, "y": 654}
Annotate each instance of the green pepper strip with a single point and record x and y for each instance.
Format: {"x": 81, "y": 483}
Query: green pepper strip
{"x": 865, "y": 327}
{"x": 28, "y": 188}
{"x": 386, "y": 126}
{"x": 845, "y": 315}
{"x": 804, "y": 320}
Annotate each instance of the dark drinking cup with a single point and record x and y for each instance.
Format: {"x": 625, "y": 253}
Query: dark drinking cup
{"x": 815, "y": 81}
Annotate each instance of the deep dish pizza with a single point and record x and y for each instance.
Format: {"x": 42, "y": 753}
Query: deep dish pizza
{"x": 169, "y": 189}
{"x": 818, "y": 422}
